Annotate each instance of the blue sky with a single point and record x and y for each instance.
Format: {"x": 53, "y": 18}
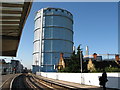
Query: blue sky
{"x": 95, "y": 25}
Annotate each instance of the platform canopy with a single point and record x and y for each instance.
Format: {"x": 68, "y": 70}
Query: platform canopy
{"x": 13, "y": 16}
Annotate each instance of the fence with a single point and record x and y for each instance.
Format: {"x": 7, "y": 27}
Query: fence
{"x": 85, "y": 78}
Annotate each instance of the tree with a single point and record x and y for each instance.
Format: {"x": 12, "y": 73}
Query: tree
{"x": 78, "y": 52}
{"x": 73, "y": 64}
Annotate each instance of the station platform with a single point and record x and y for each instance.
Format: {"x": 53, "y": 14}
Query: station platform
{"x": 77, "y": 85}
{"x": 4, "y": 78}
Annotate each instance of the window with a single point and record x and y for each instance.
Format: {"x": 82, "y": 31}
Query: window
{"x": 49, "y": 9}
{"x": 56, "y": 9}
{"x": 62, "y": 10}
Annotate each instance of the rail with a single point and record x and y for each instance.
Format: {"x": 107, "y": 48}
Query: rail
{"x": 56, "y": 83}
{"x": 31, "y": 81}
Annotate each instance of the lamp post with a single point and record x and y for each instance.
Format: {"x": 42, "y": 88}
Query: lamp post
{"x": 81, "y": 64}
{"x": 57, "y": 61}
{"x": 81, "y": 61}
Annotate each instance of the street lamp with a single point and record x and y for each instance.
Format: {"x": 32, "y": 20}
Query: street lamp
{"x": 57, "y": 61}
{"x": 81, "y": 64}
{"x": 81, "y": 61}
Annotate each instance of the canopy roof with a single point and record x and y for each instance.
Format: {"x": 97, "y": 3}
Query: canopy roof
{"x": 12, "y": 19}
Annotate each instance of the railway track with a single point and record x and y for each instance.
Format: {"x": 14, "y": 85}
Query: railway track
{"x": 53, "y": 85}
{"x": 19, "y": 83}
{"x": 32, "y": 82}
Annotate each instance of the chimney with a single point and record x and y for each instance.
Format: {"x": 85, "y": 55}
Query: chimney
{"x": 87, "y": 50}
{"x": 61, "y": 55}
{"x": 117, "y": 57}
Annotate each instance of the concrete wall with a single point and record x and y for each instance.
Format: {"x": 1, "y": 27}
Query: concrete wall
{"x": 85, "y": 78}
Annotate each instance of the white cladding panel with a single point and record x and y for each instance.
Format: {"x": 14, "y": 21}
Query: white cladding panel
{"x": 36, "y": 46}
{"x": 38, "y": 15}
{"x": 37, "y": 23}
{"x": 37, "y": 39}
{"x": 36, "y": 58}
{"x": 37, "y": 34}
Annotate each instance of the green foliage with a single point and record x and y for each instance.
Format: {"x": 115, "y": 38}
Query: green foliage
{"x": 108, "y": 69}
{"x": 78, "y": 50}
{"x": 112, "y": 69}
{"x": 73, "y": 65}
{"x": 73, "y": 54}
{"x": 97, "y": 70}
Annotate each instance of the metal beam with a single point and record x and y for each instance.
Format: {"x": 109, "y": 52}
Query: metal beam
{"x": 10, "y": 17}
{"x": 11, "y": 5}
{"x": 9, "y": 37}
{"x": 11, "y": 12}
{"x": 9, "y": 22}
{"x": 8, "y": 53}
{"x": 7, "y": 27}
{"x": 9, "y": 30}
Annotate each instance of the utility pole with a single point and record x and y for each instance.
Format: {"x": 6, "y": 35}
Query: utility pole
{"x": 81, "y": 66}
{"x": 81, "y": 61}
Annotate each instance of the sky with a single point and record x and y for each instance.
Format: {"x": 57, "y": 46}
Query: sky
{"x": 95, "y": 25}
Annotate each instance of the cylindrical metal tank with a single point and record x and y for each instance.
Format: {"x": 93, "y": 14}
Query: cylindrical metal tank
{"x": 53, "y": 34}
